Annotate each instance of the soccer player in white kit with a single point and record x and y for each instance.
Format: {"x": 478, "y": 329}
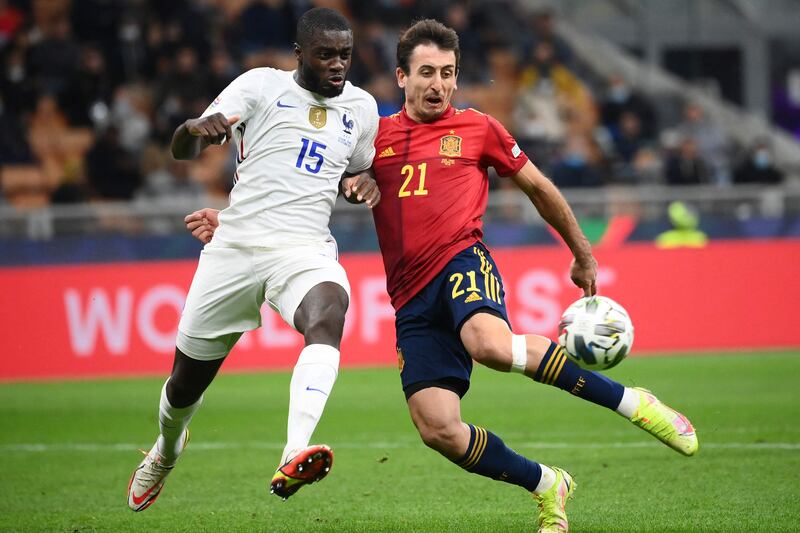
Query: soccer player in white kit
{"x": 296, "y": 134}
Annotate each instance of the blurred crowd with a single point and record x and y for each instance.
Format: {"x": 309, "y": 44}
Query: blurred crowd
{"x": 91, "y": 91}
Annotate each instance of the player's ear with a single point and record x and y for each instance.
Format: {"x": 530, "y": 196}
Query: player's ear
{"x": 401, "y": 78}
{"x": 298, "y": 54}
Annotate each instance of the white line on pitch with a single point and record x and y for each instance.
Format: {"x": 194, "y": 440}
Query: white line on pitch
{"x": 255, "y": 445}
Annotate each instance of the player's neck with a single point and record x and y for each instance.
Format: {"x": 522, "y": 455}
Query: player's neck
{"x": 303, "y": 84}
{"x": 299, "y": 80}
{"x": 411, "y": 116}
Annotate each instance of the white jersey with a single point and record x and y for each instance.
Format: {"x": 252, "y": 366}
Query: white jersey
{"x": 292, "y": 147}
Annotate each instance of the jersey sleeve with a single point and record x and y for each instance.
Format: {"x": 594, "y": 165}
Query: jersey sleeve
{"x": 240, "y": 97}
{"x": 501, "y": 151}
{"x": 364, "y": 151}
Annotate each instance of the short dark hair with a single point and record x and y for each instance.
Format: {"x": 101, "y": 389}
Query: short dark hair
{"x": 319, "y": 19}
{"x": 426, "y": 31}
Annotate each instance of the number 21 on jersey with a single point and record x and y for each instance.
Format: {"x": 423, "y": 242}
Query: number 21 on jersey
{"x": 408, "y": 173}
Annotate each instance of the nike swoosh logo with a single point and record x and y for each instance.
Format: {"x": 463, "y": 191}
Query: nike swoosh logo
{"x": 318, "y": 390}
{"x": 286, "y": 105}
{"x": 137, "y": 500}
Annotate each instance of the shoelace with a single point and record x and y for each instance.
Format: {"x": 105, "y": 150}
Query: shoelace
{"x": 153, "y": 470}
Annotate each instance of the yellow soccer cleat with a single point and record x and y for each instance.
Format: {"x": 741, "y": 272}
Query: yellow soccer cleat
{"x": 665, "y": 423}
{"x": 552, "y": 503}
{"x": 307, "y": 466}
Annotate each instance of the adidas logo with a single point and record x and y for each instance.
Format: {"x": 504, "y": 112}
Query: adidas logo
{"x": 388, "y": 152}
{"x": 474, "y": 297}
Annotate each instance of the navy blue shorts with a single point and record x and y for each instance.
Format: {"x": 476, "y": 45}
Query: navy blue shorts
{"x": 429, "y": 348}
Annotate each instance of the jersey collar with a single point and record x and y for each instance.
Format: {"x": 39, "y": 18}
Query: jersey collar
{"x": 408, "y": 121}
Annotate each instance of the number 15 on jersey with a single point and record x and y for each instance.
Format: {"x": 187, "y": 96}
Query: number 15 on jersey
{"x": 311, "y": 151}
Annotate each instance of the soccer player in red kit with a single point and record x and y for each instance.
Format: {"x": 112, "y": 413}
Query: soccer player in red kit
{"x": 431, "y": 168}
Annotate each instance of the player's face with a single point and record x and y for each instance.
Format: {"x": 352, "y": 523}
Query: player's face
{"x": 323, "y": 65}
{"x": 430, "y": 82}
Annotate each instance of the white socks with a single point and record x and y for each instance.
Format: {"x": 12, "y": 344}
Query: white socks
{"x": 312, "y": 382}
{"x": 547, "y": 480}
{"x": 172, "y": 422}
{"x": 629, "y": 403}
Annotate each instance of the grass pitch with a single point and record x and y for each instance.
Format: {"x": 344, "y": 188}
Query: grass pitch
{"x": 68, "y": 450}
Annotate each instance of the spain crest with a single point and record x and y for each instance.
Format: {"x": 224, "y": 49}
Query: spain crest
{"x": 318, "y": 116}
{"x": 400, "y": 361}
{"x": 450, "y": 146}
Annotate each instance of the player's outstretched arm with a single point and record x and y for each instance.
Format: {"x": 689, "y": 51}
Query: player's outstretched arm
{"x": 555, "y": 210}
{"x": 202, "y": 224}
{"x": 360, "y": 188}
{"x": 194, "y": 135}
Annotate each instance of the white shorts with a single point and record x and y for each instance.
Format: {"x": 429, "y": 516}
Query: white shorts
{"x": 231, "y": 284}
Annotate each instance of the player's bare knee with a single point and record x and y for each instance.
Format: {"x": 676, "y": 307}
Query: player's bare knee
{"x": 320, "y": 316}
{"x": 325, "y": 325}
{"x": 440, "y": 435}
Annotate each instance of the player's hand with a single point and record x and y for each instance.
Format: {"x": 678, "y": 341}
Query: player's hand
{"x": 213, "y": 129}
{"x": 203, "y": 223}
{"x": 361, "y": 188}
{"x": 584, "y": 275}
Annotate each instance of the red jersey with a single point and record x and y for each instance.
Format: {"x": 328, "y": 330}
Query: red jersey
{"x": 434, "y": 189}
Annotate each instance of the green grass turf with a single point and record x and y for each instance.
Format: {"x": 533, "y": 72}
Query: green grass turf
{"x": 84, "y": 435}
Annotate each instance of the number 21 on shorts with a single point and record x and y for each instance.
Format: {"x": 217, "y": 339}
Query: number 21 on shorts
{"x": 491, "y": 286}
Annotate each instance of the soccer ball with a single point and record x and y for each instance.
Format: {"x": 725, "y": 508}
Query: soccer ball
{"x": 596, "y": 332}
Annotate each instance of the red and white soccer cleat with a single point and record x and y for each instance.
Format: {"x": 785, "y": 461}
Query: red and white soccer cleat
{"x": 148, "y": 478}
{"x": 306, "y": 466}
